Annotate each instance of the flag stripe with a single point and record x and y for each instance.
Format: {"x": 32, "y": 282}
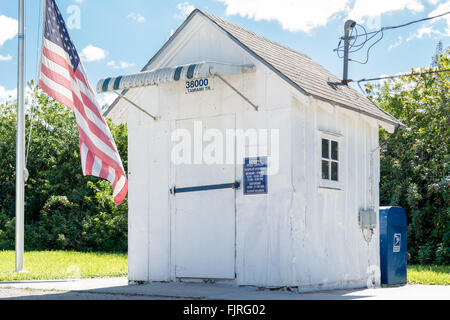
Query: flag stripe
{"x": 57, "y": 59}
{"x": 122, "y": 193}
{"x": 83, "y": 153}
{"x": 119, "y": 185}
{"x": 63, "y": 77}
{"x": 91, "y": 126}
{"x": 89, "y": 163}
{"x": 56, "y": 77}
{"x": 91, "y": 146}
{"x": 96, "y": 167}
{"x": 53, "y": 66}
{"x": 52, "y": 84}
{"x": 56, "y": 95}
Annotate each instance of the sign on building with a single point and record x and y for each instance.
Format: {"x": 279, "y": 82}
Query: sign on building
{"x": 255, "y": 176}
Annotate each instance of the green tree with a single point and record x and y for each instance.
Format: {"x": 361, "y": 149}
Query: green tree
{"x": 415, "y": 161}
{"x": 63, "y": 209}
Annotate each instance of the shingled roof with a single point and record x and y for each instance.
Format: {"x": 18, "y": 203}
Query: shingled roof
{"x": 302, "y": 72}
{"x": 296, "y": 68}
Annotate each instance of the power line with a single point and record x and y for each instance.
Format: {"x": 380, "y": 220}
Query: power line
{"x": 397, "y": 76}
{"x": 409, "y": 23}
{"x": 368, "y": 50}
{"x": 401, "y": 75}
{"x": 371, "y": 35}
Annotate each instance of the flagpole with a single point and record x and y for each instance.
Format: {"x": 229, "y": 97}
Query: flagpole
{"x": 20, "y": 148}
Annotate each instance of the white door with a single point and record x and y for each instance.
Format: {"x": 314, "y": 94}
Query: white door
{"x": 205, "y": 219}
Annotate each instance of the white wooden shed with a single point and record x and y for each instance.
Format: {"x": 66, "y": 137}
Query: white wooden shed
{"x": 309, "y": 220}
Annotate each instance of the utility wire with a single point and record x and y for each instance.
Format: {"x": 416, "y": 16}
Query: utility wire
{"x": 401, "y": 75}
{"x": 368, "y": 51}
{"x": 353, "y": 47}
{"x": 409, "y": 23}
{"x": 396, "y": 76}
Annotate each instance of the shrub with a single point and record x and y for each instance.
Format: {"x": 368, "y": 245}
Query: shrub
{"x": 415, "y": 161}
{"x": 63, "y": 209}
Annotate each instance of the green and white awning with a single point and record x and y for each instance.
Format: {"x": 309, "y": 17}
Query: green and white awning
{"x": 179, "y": 73}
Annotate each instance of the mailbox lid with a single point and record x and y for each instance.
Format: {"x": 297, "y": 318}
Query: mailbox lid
{"x": 396, "y": 216}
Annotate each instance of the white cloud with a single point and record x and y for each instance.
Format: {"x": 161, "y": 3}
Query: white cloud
{"x": 422, "y": 32}
{"x": 106, "y": 98}
{"x": 430, "y": 28}
{"x": 398, "y": 42}
{"x": 121, "y": 65}
{"x": 363, "y": 8}
{"x": 172, "y": 32}
{"x": 301, "y": 15}
{"x": 184, "y": 9}
{"x": 5, "y": 58}
{"x": 442, "y": 8}
{"x": 136, "y": 17}
{"x": 8, "y": 29}
{"x": 306, "y": 15}
{"x": 7, "y": 95}
{"x": 91, "y": 53}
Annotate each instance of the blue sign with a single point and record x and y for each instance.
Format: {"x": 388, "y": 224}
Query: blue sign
{"x": 255, "y": 176}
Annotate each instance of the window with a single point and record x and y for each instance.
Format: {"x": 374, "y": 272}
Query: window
{"x": 330, "y": 160}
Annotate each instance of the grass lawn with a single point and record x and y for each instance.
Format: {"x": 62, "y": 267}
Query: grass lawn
{"x": 429, "y": 275}
{"x": 63, "y": 265}
{"x": 49, "y": 265}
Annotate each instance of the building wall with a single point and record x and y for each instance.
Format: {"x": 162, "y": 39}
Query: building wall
{"x": 298, "y": 234}
{"x": 324, "y": 223}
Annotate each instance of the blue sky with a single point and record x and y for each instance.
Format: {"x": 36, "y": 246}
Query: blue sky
{"x": 116, "y": 36}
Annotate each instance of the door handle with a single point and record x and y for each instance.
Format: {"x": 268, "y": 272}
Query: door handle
{"x": 234, "y": 185}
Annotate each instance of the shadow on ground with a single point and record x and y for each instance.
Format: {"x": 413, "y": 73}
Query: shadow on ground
{"x": 60, "y": 290}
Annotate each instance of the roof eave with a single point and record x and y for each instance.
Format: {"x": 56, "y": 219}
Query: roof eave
{"x": 157, "y": 54}
{"x": 259, "y": 58}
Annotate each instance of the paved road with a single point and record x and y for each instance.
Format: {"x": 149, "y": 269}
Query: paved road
{"x": 118, "y": 289}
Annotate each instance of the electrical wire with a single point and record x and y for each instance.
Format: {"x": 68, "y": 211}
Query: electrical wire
{"x": 353, "y": 47}
{"x": 409, "y": 23}
{"x": 402, "y": 75}
{"x": 368, "y": 51}
{"x": 396, "y": 76}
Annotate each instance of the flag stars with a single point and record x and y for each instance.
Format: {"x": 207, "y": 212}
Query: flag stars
{"x": 56, "y": 32}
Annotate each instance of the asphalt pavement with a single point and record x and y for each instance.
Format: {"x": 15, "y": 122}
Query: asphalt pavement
{"x": 119, "y": 289}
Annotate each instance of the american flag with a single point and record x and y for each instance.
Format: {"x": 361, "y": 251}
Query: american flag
{"x": 63, "y": 77}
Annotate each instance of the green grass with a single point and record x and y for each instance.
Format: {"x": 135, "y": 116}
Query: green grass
{"x": 51, "y": 265}
{"x": 437, "y": 275}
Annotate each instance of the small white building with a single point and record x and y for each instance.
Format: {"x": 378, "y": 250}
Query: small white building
{"x": 310, "y": 223}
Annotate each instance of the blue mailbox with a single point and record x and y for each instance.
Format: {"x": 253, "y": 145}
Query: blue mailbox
{"x": 393, "y": 249}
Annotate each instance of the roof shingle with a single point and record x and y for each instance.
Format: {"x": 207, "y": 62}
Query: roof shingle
{"x": 301, "y": 71}
{"x": 296, "y": 68}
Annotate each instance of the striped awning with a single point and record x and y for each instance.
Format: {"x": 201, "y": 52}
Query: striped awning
{"x": 180, "y": 73}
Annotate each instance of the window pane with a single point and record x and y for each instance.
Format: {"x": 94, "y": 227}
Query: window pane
{"x": 334, "y": 150}
{"x": 334, "y": 171}
{"x": 325, "y": 170}
{"x": 325, "y": 149}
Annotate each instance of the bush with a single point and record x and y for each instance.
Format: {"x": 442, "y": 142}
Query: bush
{"x": 443, "y": 251}
{"x": 63, "y": 209}
{"x": 415, "y": 161}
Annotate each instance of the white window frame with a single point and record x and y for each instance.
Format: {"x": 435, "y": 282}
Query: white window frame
{"x": 324, "y": 183}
